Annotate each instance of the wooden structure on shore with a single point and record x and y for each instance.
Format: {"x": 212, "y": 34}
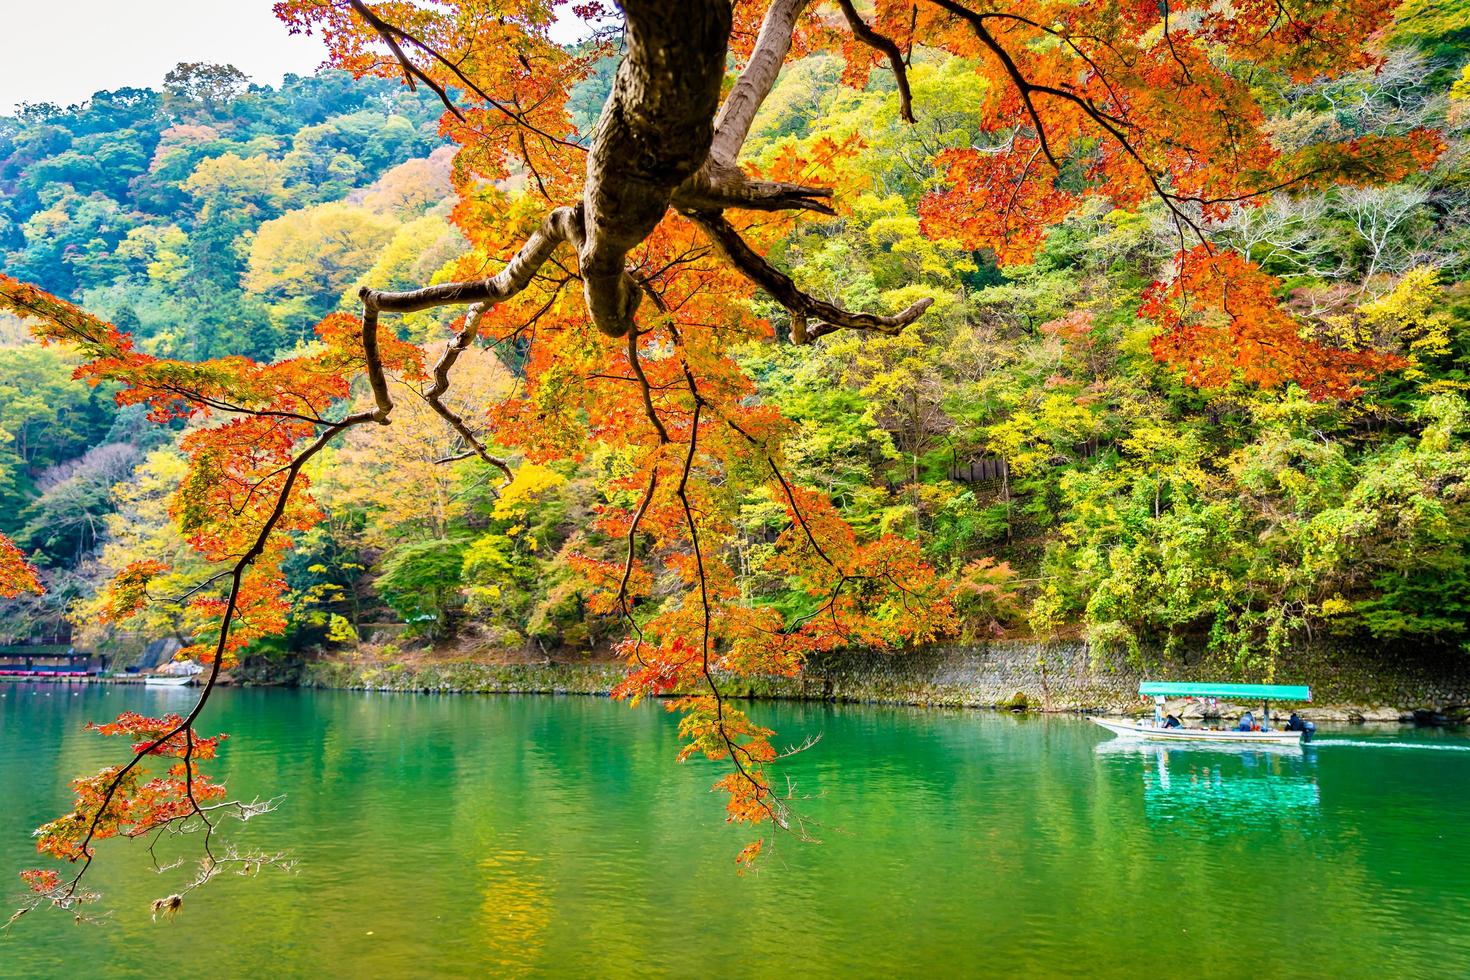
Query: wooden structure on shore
{"x": 48, "y": 661}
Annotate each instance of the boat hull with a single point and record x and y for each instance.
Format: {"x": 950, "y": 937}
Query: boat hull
{"x": 1133, "y": 729}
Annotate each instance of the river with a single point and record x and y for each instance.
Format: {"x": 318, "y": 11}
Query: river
{"x": 466, "y": 835}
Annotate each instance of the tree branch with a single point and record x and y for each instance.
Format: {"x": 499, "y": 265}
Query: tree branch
{"x": 654, "y": 131}
{"x": 561, "y": 225}
{"x": 802, "y": 306}
{"x": 392, "y": 34}
{"x": 715, "y": 189}
{"x": 647, "y": 391}
{"x": 231, "y": 608}
{"x": 440, "y": 387}
{"x": 886, "y": 46}
{"x": 737, "y": 113}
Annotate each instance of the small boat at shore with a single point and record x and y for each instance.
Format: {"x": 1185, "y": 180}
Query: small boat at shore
{"x": 177, "y": 674}
{"x": 160, "y": 680}
{"x": 1168, "y": 728}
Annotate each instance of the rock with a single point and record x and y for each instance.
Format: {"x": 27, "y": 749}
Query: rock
{"x": 1016, "y": 702}
{"x": 158, "y": 653}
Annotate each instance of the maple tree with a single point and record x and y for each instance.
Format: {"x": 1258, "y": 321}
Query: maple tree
{"x": 16, "y": 574}
{"x": 626, "y": 261}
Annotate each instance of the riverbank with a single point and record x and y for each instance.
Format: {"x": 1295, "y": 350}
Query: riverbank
{"x": 1350, "y": 684}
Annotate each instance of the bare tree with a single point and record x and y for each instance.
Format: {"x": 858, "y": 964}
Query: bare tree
{"x": 1379, "y": 216}
{"x": 1285, "y": 231}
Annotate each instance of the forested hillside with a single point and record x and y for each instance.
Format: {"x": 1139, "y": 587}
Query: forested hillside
{"x": 1025, "y": 432}
{"x": 209, "y": 217}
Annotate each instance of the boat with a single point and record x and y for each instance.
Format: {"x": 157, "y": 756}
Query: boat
{"x": 1157, "y": 729}
{"x": 176, "y": 674}
{"x": 161, "y": 680}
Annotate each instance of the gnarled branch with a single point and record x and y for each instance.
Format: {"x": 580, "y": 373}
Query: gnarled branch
{"x": 715, "y": 189}
{"x": 435, "y": 394}
{"x": 561, "y": 225}
{"x": 886, "y": 46}
{"x": 654, "y": 131}
{"x": 802, "y": 306}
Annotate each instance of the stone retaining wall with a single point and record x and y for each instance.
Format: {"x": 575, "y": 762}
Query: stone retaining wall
{"x": 467, "y": 677}
{"x": 1348, "y": 683}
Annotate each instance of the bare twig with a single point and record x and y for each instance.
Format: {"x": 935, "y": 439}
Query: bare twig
{"x": 435, "y": 393}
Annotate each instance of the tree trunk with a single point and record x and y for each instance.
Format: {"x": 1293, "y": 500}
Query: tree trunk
{"x": 654, "y": 131}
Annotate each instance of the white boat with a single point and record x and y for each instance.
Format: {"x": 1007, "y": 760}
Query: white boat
{"x": 1148, "y": 730}
{"x": 175, "y": 674}
{"x": 158, "y": 680}
{"x": 1157, "y": 729}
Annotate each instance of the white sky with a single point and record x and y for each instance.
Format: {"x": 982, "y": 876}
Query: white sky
{"x": 64, "y": 50}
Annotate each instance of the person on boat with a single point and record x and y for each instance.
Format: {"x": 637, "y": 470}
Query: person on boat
{"x": 1247, "y": 722}
{"x": 1299, "y": 724}
{"x": 1173, "y": 722}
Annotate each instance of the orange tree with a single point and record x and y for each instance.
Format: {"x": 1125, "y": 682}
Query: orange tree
{"x": 620, "y": 263}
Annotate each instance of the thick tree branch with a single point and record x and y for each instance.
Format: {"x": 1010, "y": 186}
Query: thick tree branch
{"x": 886, "y": 46}
{"x": 561, "y": 225}
{"x": 715, "y": 189}
{"x": 772, "y": 45}
{"x": 720, "y": 183}
{"x": 654, "y": 131}
{"x": 802, "y": 306}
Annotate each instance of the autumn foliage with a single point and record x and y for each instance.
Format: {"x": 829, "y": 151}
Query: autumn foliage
{"x": 1221, "y": 320}
{"x": 16, "y": 574}
{"x": 128, "y": 801}
{"x": 1123, "y": 103}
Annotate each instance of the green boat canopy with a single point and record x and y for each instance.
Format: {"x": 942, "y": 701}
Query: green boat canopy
{"x": 1246, "y": 692}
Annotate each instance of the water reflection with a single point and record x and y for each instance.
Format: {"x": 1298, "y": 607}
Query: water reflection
{"x": 516, "y": 909}
{"x": 1223, "y": 789}
{"x": 511, "y": 836}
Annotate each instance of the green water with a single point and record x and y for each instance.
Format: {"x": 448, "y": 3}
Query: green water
{"x": 514, "y": 835}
